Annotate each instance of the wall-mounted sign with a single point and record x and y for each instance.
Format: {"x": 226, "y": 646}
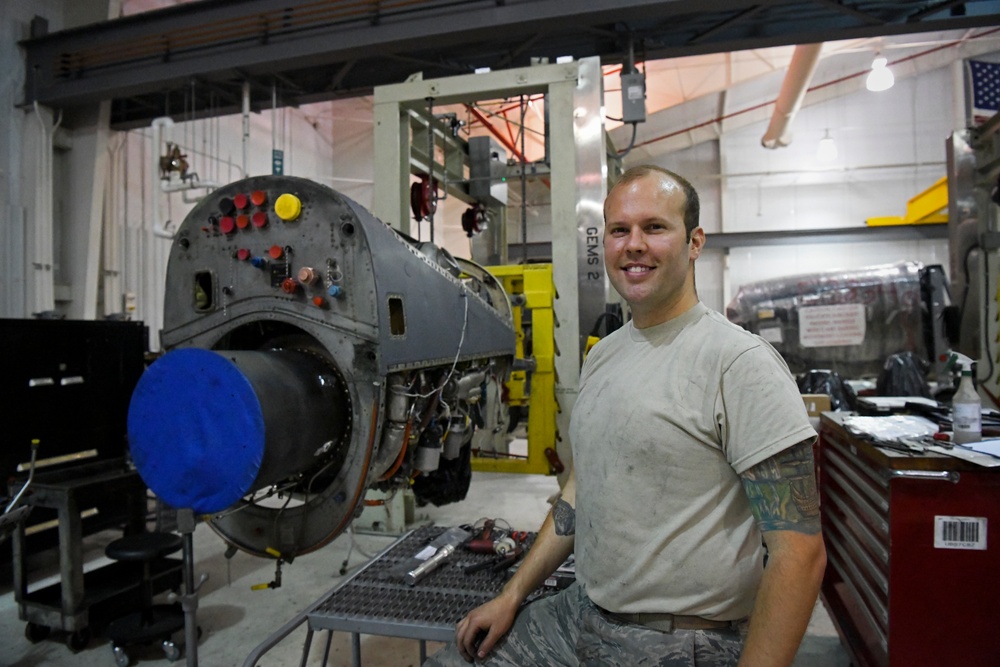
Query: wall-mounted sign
{"x": 827, "y": 326}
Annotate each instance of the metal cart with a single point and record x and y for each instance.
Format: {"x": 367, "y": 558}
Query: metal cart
{"x": 80, "y": 600}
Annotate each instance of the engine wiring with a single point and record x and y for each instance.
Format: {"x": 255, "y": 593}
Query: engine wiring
{"x": 454, "y": 363}
{"x": 254, "y": 499}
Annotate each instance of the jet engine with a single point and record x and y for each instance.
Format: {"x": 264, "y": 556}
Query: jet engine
{"x": 313, "y": 353}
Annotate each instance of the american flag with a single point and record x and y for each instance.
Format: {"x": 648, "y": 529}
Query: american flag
{"x": 985, "y": 78}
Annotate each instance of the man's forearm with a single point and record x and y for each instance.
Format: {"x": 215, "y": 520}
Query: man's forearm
{"x": 552, "y": 546}
{"x": 785, "y": 502}
{"x": 548, "y": 552}
{"x": 785, "y": 601}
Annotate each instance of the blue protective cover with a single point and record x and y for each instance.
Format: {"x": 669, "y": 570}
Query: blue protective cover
{"x": 196, "y": 430}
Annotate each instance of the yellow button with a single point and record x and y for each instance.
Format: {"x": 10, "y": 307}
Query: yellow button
{"x": 288, "y": 207}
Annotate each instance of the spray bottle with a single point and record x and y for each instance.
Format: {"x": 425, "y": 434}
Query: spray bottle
{"x": 966, "y": 404}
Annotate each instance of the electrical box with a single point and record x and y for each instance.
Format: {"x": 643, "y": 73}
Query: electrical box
{"x": 487, "y": 170}
{"x": 634, "y": 98}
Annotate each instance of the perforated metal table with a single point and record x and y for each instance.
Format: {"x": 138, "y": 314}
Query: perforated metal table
{"x": 375, "y": 601}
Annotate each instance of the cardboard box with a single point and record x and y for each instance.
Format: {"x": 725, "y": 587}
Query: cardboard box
{"x": 816, "y": 404}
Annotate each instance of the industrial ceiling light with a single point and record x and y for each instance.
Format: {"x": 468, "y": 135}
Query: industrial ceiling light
{"x": 880, "y": 78}
{"x": 827, "y": 149}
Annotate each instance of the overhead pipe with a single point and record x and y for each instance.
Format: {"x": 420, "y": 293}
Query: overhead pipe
{"x": 274, "y": 118}
{"x": 191, "y": 183}
{"x": 690, "y": 130}
{"x": 155, "y": 261}
{"x": 154, "y": 266}
{"x": 793, "y": 92}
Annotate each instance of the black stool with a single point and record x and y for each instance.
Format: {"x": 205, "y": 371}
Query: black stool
{"x": 151, "y": 622}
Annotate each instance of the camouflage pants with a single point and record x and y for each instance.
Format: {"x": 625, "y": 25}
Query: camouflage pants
{"x": 568, "y": 629}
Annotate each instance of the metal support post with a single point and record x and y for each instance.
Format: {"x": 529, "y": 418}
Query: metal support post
{"x": 189, "y": 599}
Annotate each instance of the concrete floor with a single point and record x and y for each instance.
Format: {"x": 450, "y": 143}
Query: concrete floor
{"x": 235, "y": 619}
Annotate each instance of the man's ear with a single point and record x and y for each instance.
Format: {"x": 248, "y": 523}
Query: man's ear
{"x": 696, "y": 243}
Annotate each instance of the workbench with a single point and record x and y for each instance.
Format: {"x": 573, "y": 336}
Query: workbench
{"x": 913, "y": 552}
{"x": 375, "y": 601}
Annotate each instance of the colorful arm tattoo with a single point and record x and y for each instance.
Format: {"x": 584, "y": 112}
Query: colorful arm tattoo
{"x": 782, "y": 491}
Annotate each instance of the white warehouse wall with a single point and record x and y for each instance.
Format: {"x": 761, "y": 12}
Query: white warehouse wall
{"x": 891, "y": 146}
{"x": 19, "y": 134}
{"x": 28, "y": 268}
{"x": 135, "y": 255}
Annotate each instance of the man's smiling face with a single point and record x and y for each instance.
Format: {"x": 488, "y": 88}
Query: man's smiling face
{"x": 647, "y": 254}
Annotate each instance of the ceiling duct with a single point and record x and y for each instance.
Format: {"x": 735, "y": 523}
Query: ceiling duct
{"x": 793, "y": 91}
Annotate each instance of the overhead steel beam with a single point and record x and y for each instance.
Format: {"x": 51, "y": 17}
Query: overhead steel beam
{"x": 138, "y": 54}
{"x": 338, "y": 48}
{"x": 881, "y": 234}
{"x": 935, "y": 8}
{"x": 523, "y": 47}
{"x": 342, "y": 72}
{"x": 851, "y": 11}
{"x": 726, "y": 23}
{"x": 541, "y": 251}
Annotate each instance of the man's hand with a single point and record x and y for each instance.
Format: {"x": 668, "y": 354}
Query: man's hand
{"x": 551, "y": 548}
{"x": 493, "y": 618}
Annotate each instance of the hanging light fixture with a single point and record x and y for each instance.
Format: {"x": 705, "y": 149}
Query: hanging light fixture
{"x": 880, "y": 78}
{"x": 827, "y": 149}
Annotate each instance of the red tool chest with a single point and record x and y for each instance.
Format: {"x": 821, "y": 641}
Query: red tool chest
{"x": 913, "y": 549}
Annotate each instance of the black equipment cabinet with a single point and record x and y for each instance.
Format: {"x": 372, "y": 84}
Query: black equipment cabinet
{"x": 67, "y": 384}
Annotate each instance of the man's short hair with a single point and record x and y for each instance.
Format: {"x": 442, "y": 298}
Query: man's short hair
{"x": 692, "y": 205}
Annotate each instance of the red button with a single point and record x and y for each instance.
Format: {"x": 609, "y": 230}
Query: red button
{"x": 242, "y": 221}
{"x": 259, "y": 219}
{"x": 243, "y": 254}
{"x": 258, "y": 197}
{"x": 226, "y": 225}
{"x": 275, "y": 252}
{"x": 241, "y": 201}
{"x": 289, "y": 285}
{"x": 319, "y": 301}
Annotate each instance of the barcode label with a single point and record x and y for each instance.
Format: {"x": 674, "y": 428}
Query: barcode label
{"x": 960, "y": 532}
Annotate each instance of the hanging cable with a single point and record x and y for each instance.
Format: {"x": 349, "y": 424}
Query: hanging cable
{"x": 274, "y": 122}
{"x": 524, "y": 190}
{"x": 631, "y": 144}
{"x": 432, "y": 194}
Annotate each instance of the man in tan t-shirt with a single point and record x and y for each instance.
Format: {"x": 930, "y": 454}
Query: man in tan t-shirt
{"x": 691, "y": 445}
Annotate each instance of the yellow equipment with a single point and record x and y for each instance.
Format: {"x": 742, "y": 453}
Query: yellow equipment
{"x": 928, "y": 207}
{"x": 530, "y": 288}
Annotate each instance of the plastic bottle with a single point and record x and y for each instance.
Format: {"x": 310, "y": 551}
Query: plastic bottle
{"x": 966, "y": 411}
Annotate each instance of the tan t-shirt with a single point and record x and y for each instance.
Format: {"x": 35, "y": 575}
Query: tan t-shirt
{"x": 666, "y": 418}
